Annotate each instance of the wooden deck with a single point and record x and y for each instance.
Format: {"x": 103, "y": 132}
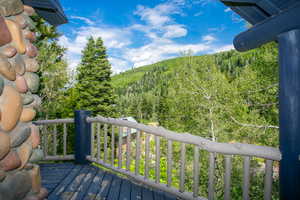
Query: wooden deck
{"x": 69, "y": 181}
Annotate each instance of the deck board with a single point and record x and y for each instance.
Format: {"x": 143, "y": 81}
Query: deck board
{"x": 94, "y": 188}
{"x": 105, "y": 186}
{"x": 114, "y": 191}
{"x": 67, "y": 181}
{"x": 147, "y": 194}
{"x": 85, "y": 184}
{"x": 125, "y": 190}
{"x": 136, "y": 192}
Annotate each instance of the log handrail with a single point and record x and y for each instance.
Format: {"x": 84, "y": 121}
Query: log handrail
{"x": 110, "y": 149}
{"x": 205, "y": 144}
{"x": 54, "y": 121}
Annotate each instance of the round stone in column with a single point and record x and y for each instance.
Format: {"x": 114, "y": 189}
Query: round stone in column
{"x": 10, "y": 107}
{"x": 6, "y": 69}
{"x": 17, "y": 36}
{"x": 27, "y": 99}
{"x": 21, "y": 84}
{"x": 28, "y": 114}
{"x": 15, "y": 186}
{"x": 20, "y": 19}
{"x": 36, "y": 156}
{"x": 5, "y": 36}
{"x": 11, "y": 7}
{"x": 24, "y": 152}
{"x": 10, "y": 162}
{"x": 4, "y": 144}
{"x": 36, "y": 104}
{"x": 35, "y": 136}
{"x": 33, "y": 81}
{"x": 31, "y": 50}
{"x": 31, "y": 65}
{"x": 29, "y": 35}
{"x": 19, "y": 135}
{"x": 18, "y": 64}
{"x": 9, "y": 51}
{"x": 29, "y": 10}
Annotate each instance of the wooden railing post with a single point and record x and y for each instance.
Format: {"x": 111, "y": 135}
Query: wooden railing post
{"x": 82, "y": 136}
{"x": 289, "y": 114}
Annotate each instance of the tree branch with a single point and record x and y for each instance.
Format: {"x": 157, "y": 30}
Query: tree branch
{"x": 254, "y": 125}
{"x": 262, "y": 89}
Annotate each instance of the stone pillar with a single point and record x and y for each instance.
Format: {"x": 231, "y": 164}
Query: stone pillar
{"x": 19, "y": 138}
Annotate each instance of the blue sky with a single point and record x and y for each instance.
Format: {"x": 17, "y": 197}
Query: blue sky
{"x": 141, "y": 32}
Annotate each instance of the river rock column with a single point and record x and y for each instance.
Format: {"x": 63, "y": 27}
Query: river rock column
{"x": 19, "y": 138}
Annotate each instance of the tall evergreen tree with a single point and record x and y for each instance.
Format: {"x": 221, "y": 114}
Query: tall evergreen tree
{"x": 163, "y": 105}
{"x": 52, "y": 70}
{"x": 93, "y": 86}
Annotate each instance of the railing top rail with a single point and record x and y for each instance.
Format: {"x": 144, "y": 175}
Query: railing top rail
{"x": 54, "y": 121}
{"x": 223, "y": 148}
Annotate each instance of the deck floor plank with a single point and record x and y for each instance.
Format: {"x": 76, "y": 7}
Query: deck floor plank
{"x": 52, "y": 175}
{"x": 67, "y": 181}
{"x": 125, "y": 193}
{"x": 136, "y": 192}
{"x": 94, "y": 186}
{"x": 56, "y": 193}
{"x": 147, "y": 194}
{"x": 158, "y": 195}
{"x": 169, "y": 197}
{"x": 105, "y": 186}
{"x": 73, "y": 187}
{"x": 85, "y": 184}
{"x": 114, "y": 191}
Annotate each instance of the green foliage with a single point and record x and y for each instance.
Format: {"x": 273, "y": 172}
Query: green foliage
{"x": 93, "y": 87}
{"x": 53, "y": 70}
{"x": 44, "y": 31}
{"x": 226, "y": 97}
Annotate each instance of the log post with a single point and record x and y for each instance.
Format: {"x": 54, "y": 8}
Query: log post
{"x": 82, "y": 136}
{"x": 289, "y": 106}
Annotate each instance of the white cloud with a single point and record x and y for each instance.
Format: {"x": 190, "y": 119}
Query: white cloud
{"x": 161, "y": 50}
{"x": 158, "y": 28}
{"x": 113, "y": 38}
{"x": 86, "y": 20}
{"x": 156, "y": 16}
{"x": 118, "y": 65}
{"x": 175, "y": 31}
{"x": 208, "y": 38}
{"x": 227, "y": 10}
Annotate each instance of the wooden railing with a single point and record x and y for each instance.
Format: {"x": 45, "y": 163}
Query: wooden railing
{"x": 54, "y": 138}
{"x": 158, "y": 157}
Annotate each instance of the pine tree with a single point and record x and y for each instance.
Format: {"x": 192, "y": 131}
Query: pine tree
{"x": 163, "y": 105}
{"x": 94, "y": 89}
{"x": 52, "y": 69}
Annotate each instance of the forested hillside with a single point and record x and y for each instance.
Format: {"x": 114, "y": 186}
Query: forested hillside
{"x": 227, "y": 97}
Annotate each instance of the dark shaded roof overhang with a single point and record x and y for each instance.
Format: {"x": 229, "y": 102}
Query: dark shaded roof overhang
{"x": 50, "y": 10}
{"x": 269, "y": 18}
{"x": 255, "y": 11}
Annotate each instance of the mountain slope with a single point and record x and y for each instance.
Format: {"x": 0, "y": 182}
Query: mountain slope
{"x": 215, "y": 96}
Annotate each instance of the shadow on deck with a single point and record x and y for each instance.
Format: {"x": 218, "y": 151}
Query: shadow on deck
{"x": 69, "y": 181}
